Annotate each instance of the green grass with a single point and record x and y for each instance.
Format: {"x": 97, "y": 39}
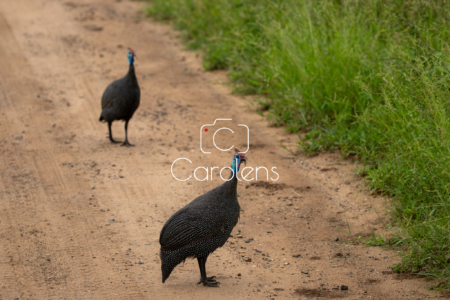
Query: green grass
{"x": 369, "y": 78}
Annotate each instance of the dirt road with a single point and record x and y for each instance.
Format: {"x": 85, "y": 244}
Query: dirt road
{"x": 80, "y": 218}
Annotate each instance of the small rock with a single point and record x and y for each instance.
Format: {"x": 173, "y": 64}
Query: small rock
{"x": 344, "y": 287}
{"x": 121, "y": 176}
{"x": 93, "y": 187}
{"x": 259, "y": 251}
{"x": 141, "y": 263}
{"x": 290, "y": 204}
{"x": 335, "y": 288}
{"x": 247, "y": 241}
{"x": 248, "y": 259}
{"x": 386, "y": 257}
{"x": 296, "y": 255}
{"x": 275, "y": 223}
{"x": 430, "y": 287}
{"x": 239, "y": 274}
{"x": 336, "y": 239}
{"x": 92, "y": 27}
{"x": 305, "y": 272}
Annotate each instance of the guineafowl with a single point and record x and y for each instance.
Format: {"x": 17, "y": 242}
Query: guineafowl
{"x": 201, "y": 226}
{"x": 121, "y": 99}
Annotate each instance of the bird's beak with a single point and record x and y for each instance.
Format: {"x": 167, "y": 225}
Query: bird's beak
{"x": 243, "y": 158}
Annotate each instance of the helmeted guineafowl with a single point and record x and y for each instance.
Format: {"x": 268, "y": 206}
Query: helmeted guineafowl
{"x": 121, "y": 99}
{"x": 201, "y": 226}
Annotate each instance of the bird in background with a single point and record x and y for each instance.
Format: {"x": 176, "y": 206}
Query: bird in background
{"x": 201, "y": 226}
{"x": 121, "y": 99}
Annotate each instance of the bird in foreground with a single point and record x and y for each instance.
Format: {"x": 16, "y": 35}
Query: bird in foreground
{"x": 121, "y": 99}
{"x": 201, "y": 226}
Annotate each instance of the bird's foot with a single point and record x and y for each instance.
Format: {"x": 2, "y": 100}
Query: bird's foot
{"x": 209, "y": 281}
{"x": 126, "y": 144}
{"x": 114, "y": 141}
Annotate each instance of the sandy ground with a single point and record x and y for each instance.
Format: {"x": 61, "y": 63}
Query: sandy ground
{"x": 80, "y": 218}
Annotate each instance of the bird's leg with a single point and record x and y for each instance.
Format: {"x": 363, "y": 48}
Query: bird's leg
{"x": 209, "y": 281}
{"x": 110, "y": 134}
{"x": 125, "y": 143}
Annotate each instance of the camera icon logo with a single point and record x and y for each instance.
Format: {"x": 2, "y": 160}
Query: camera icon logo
{"x": 222, "y": 128}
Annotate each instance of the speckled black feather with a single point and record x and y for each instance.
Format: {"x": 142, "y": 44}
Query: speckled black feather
{"x": 121, "y": 98}
{"x": 200, "y": 227}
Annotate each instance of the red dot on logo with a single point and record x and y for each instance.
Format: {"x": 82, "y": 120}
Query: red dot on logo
{"x": 206, "y": 129}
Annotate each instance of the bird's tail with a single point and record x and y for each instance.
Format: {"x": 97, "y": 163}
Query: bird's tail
{"x": 169, "y": 260}
{"x": 101, "y": 118}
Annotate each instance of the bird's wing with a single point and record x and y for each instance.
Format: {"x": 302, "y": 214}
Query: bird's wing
{"x": 189, "y": 227}
{"x": 109, "y": 96}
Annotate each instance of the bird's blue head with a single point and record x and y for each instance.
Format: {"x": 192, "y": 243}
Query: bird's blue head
{"x": 131, "y": 55}
{"x": 238, "y": 158}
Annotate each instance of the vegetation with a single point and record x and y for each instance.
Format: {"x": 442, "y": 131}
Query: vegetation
{"x": 370, "y": 78}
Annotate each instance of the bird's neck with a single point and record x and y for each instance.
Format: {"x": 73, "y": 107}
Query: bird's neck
{"x": 231, "y": 184}
{"x": 131, "y": 74}
{"x": 233, "y": 176}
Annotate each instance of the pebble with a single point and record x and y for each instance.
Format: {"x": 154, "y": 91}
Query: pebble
{"x": 344, "y": 287}
{"x": 296, "y": 255}
{"x": 336, "y": 239}
{"x": 93, "y": 187}
{"x": 141, "y": 263}
{"x": 121, "y": 176}
{"x": 275, "y": 223}
{"x": 305, "y": 272}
